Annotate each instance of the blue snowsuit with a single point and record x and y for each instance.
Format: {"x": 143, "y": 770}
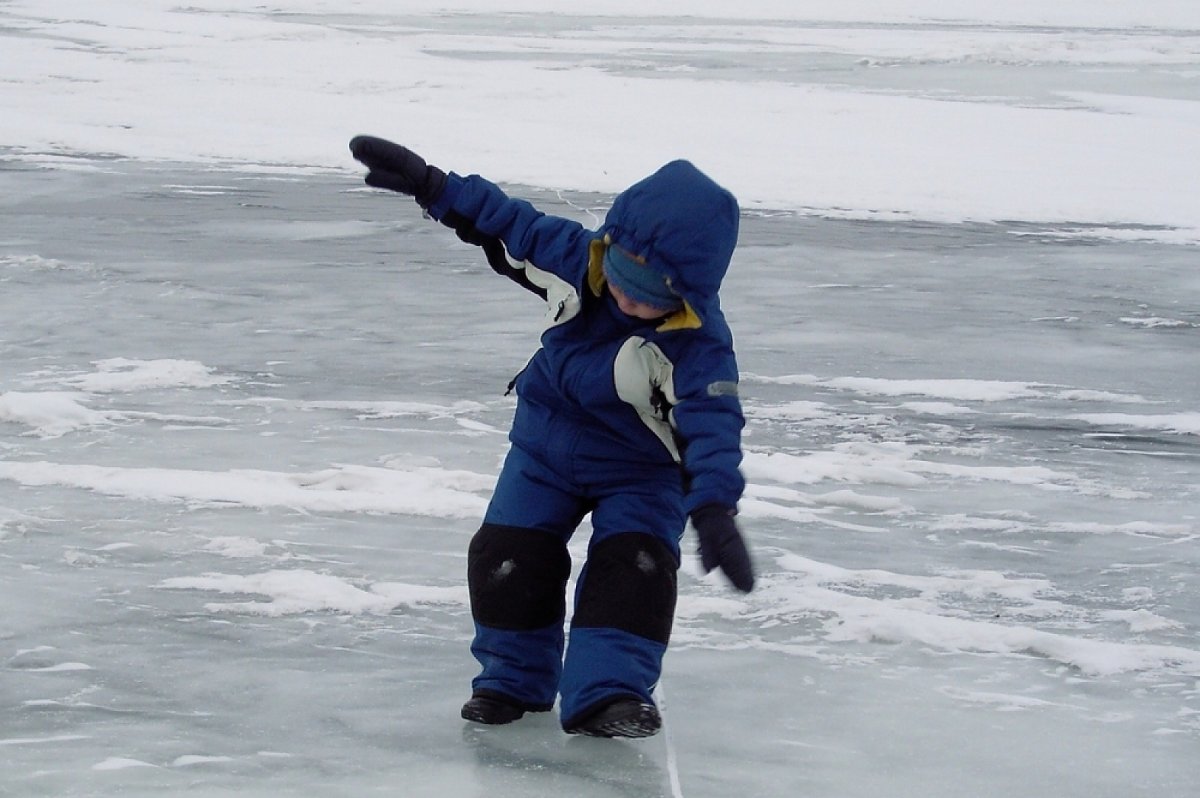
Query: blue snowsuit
{"x": 636, "y": 422}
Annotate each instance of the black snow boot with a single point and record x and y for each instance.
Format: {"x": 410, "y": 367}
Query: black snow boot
{"x": 491, "y": 710}
{"x": 624, "y": 717}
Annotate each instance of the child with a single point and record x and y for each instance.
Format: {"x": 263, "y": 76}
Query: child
{"x": 629, "y": 411}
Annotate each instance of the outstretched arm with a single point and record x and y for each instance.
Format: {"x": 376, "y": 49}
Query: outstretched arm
{"x": 478, "y": 211}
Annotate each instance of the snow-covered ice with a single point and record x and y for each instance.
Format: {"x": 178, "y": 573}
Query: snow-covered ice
{"x": 251, "y": 411}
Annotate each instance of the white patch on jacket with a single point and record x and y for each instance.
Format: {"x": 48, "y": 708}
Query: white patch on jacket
{"x": 562, "y": 300}
{"x": 639, "y": 369}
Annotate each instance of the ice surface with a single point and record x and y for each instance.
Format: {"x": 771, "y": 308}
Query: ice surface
{"x": 249, "y": 417}
{"x": 240, "y": 469}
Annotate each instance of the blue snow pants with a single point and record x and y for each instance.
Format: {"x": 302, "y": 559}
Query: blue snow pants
{"x": 518, "y": 567}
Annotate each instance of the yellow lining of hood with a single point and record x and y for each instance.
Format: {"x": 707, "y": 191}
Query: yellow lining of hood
{"x": 685, "y": 318}
{"x": 596, "y": 279}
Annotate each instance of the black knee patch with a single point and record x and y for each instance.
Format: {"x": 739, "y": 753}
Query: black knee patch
{"x": 630, "y": 584}
{"x": 517, "y": 577}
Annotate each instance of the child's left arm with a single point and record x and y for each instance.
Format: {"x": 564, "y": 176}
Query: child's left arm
{"x": 479, "y": 211}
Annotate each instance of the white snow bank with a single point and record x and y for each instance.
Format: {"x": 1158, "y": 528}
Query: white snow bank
{"x": 585, "y": 105}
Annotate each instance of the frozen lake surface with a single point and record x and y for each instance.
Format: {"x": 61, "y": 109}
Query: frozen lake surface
{"x": 249, "y": 423}
{"x": 251, "y": 412}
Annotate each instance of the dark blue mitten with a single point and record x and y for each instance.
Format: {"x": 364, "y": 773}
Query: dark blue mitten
{"x": 722, "y": 546}
{"x": 398, "y": 168}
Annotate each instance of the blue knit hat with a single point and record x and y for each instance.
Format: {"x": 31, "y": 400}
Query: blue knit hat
{"x": 639, "y": 281}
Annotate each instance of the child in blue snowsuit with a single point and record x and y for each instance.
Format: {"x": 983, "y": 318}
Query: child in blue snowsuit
{"x": 629, "y": 412}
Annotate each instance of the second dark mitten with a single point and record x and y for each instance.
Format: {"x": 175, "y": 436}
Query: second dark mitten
{"x": 722, "y": 545}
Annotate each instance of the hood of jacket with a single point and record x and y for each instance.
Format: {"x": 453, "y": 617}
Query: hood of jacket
{"x": 683, "y": 224}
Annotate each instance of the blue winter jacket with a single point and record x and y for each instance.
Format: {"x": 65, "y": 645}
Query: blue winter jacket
{"x": 608, "y": 394}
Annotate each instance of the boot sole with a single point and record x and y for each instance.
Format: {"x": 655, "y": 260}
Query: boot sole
{"x": 646, "y": 722}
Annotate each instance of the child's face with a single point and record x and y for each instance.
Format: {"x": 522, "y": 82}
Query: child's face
{"x": 631, "y": 307}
